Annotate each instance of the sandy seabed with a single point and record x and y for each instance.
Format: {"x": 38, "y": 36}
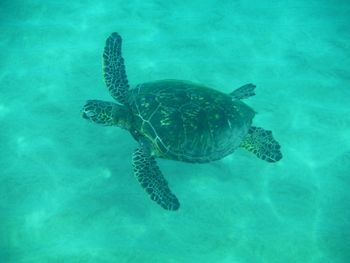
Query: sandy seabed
{"x": 67, "y": 192}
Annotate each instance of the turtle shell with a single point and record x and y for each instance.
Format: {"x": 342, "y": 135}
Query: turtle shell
{"x": 188, "y": 122}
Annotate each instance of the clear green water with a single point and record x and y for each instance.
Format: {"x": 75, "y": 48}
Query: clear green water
{"x": 67, "y": 192}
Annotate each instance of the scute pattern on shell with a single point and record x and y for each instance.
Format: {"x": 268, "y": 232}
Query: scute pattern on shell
{"x": 188, "y": 122}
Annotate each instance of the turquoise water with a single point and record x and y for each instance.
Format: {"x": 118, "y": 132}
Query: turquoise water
{"x": 67, "y": 190}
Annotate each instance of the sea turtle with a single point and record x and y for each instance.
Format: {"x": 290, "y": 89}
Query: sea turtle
{"x": 177, "y": 120}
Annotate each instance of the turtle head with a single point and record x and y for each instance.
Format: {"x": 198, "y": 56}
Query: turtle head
{"x": 106, "y": 113}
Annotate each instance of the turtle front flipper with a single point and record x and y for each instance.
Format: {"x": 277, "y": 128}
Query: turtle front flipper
{"x": 243, "y": 92}
{"x": 262, "y": 144}
{"x": 114, "y": 68}
{"x": 151, "y": 179}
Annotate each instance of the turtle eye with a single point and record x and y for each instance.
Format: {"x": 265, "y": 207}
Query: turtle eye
{"x": 88, "y": 113}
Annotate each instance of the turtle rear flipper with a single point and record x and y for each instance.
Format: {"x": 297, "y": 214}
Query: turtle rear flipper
{"x": 151, "y": 179}
{"x": 243, "y": 92}
{"x": 262, "y": 144}
{"x": 114, "y": 68}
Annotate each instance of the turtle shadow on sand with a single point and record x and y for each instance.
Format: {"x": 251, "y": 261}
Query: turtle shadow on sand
{"x": 176, "y": 120}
